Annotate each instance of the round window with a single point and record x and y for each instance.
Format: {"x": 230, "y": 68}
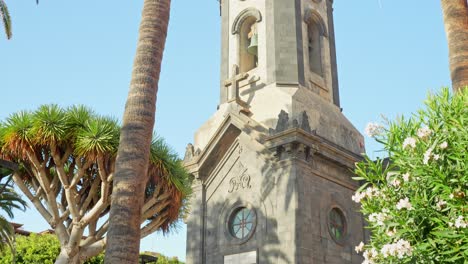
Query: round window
{"x": 337, "y": 224}
{"x": 242, "y": 222}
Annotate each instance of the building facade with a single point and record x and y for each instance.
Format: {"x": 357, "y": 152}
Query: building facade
{"x": 272, "y": 167}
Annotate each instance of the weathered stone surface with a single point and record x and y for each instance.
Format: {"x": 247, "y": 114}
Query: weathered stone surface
{"x": 278, "y": 146}
{"x": 241, "y": 258}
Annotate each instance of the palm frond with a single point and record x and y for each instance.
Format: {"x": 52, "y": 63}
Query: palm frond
{"x": 6, "y": 20}
{"x": 7, "y": 234}
{"x": 10, "y": 200}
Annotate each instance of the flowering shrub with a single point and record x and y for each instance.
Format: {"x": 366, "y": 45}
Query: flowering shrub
{"x": 416, "y": 202}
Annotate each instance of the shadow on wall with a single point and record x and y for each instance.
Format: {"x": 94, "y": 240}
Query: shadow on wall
{"x": 223, "y": 240}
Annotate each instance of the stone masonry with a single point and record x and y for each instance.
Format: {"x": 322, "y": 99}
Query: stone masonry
{"x": 278, "y": 148}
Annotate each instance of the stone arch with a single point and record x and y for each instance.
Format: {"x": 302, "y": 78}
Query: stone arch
{"x": 245, "y": 14}
{"x": 311, "y": 16}
{"x": 316, "y": 33}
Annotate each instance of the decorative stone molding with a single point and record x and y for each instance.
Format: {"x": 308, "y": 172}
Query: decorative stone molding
{"x": 191, "y": 153}
{"x": 295, "y": 150}
{"x": 312, "y": 16}
{"x": 283, "y": 124}
{"x": 241, "y": 181}
{"x": 246, "y": 13}
{"x": 296, "y": 143}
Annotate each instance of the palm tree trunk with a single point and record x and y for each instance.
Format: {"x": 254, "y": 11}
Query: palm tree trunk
{"x": 456, "y": 27}
{"x": 132, "y": 158}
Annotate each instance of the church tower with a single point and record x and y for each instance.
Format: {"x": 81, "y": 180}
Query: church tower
{"x": 272, "y": 167}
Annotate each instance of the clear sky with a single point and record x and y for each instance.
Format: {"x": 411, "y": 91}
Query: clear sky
{"x": 390, "y": 54}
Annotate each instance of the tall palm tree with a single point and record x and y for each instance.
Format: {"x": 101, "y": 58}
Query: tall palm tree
{"x": 456, "y": 27}
{"x": 135, "y": 138}
{"x": 6, "y": 20}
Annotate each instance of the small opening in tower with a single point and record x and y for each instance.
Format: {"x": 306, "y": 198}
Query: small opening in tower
{"x": 248, "y": 45}
{"x": 314, "y": 48}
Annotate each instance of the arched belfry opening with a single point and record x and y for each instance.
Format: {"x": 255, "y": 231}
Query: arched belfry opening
{"x": 245, "y": 26}
{"x": 316, "y": 32}
{"x": 314, "y": 43}
{"x": 248, "y": 45}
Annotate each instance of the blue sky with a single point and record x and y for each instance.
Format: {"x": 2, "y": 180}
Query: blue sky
{"x": 390, "y": 54}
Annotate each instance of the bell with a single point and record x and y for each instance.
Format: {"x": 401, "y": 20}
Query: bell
{"x": 253, "y": 47}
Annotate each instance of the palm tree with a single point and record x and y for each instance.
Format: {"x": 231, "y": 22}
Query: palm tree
{"x": 5, "y": 16}
{"x": 9, "y": 200}
{"x": 456, "y": 27}
{"x": 138, "y": 121}
{"x": 6, "y": 20}
{"x": 66, "y": 161}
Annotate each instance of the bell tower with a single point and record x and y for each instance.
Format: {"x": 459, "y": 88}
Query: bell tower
{"x": 272, "y": 167}
{"x": 295, "y": 40}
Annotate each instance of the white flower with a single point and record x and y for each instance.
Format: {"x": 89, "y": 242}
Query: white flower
{"x": 436, "y": 157}
{"x": 404, "y": 248}
{"x": 358, "y": 196}
{"x": 390, "y": 174}
{"x": 460, "y": 222}
{"x": 404, "y": 203}
{"x": 409, "y": 142}
{"x": 443, "y": 145}
{"x": 441, "y": 204}
{"x": 406, "y": 176}
{"x": 391, "y": 232}
{"x": 451, "y": 196}
{"x": 369, "y": 256}
{"x": 378, "y": 218}
{"x": 427, "y": 156}
{"x": 373, "y": 129}
{"x": 424, "y": 132}
{"x": 399, "y": 249}
{"x": 367, "y": 193}
{"x": 396, "y": 183}
{"x": 360, "y": 247}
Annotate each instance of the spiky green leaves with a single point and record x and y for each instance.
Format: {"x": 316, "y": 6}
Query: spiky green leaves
{"x": 76, "y": 127}
{"x": 49, "y": 125}
{"x": 16, "y": 137}
{"x": 5, "y": 17}
{"x": 75, "y": 140}
{"x": 98, "y": 136}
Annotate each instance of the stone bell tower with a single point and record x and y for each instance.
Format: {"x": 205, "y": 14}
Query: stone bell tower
{"x": 272, "y": 167}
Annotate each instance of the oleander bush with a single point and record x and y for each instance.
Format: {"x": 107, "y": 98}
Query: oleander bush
{"x": 415, "y": 201}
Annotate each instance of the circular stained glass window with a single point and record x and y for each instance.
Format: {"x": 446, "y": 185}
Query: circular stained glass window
{"x": 337, "y": 224}
{"x": 242, "y": 222}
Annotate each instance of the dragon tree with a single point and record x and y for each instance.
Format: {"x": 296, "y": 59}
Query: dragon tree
{"x": 66, "y": 160}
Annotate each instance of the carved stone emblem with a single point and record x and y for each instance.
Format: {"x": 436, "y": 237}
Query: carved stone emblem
{"x": 241, "y": 181}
